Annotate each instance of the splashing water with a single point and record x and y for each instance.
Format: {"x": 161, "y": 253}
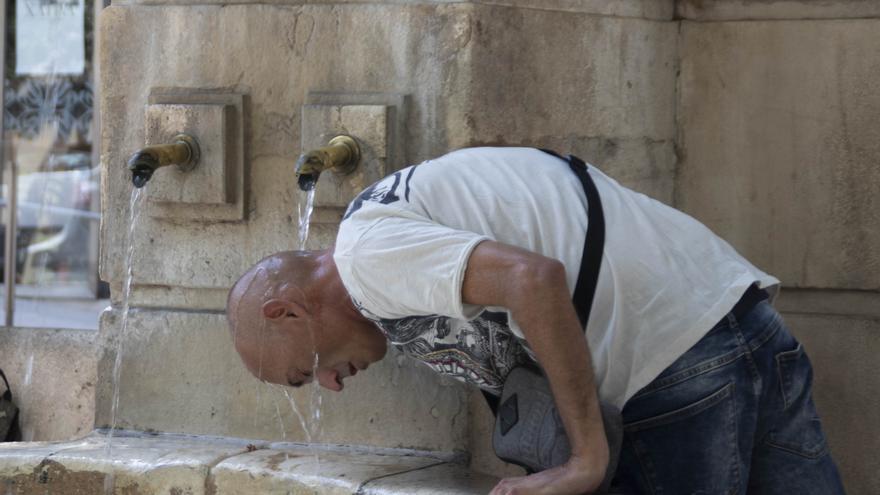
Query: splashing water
{"x": 280, "y": 419}
{"x": 29, "y": 371}
{"x": 134, "y": 213}
{"x": 302, "y": 419}
{"x": 260, "y": 364}
{"x": 305, "y": 207}
{"x": 278, "y": 414}
{"x": 315, "y": 402}
{"x": 305, "y": 427}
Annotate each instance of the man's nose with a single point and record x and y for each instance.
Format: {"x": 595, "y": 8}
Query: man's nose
{"x": 330, "y": 379}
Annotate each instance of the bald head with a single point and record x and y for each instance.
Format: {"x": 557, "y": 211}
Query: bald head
{"x": 290, "y": 272}
{"x": 291, "y": 317}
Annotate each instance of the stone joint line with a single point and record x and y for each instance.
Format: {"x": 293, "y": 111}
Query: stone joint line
{"x": 360, "y": 488}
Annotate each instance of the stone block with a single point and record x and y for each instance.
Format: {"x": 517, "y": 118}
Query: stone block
{"x": 52, "y": 374}
{"x": 24, "y": 467}
{"x": 648, "y": 9}
{"x": 305, "y": 471}
{"x": 138, "y": 463}
{"x": 779, "y": 147}
{"x": 132, "y": 464}
{"x": 661, "y": 10}
{"x": 19, "y": 457}
{"x": 569, "y": 92}
{"x": 215, "y": 189}
{"x": 440, "y": 479}
{"x": 206, "y": 182}
{"x": 737, "y": 10}
{"x": 568, "y": 83}
{"x": 368, "y": 124}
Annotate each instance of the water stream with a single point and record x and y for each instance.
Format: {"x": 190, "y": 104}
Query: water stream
{"x": 310, "y": 425}
{"x": 302, "y": 419}
{"x": 134, "y": 213}
{"x": 305, "y": 207}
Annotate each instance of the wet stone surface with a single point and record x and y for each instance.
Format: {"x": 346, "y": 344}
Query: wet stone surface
{"x": 190, "y": 465}
{"x": 52, "y": 477}
{"x": 137, "y": 464}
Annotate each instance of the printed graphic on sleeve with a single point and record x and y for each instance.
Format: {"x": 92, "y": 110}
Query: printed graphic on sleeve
{"x": 481, "y": 351}
{"x": 384, "y": 191}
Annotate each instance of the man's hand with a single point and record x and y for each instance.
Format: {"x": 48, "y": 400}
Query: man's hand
{"x": 576, "y": 477}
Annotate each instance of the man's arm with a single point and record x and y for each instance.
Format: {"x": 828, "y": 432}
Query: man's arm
{"x": 534, "y": 289}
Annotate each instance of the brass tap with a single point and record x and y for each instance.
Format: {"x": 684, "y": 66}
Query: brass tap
{"x": 341, "y": 155}
{"x": 184, "y": 153}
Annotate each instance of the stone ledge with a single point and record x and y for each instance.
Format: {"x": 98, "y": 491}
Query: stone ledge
{"x": 136, "y": 464}
{"x": 656, "y": 10}
{"x": 141, "y": 463}
{"x": 748, "y": 10}
{"x": 860, "y": 304}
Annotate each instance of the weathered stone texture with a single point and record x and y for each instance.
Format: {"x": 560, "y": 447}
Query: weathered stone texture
{"x": 52, "y": 374}
{"x": 439, "y": 479}
{"x": 780, "y": 145}
{"x": 133, "y": 465}
{"x": 567, "y": 89}
{"x": 301, "y": 471}
{"x": 727, "y": 10}
{"x": 648, "y": 9}
{"x": 275, "y": 55}
{"x": 140, "y": 464}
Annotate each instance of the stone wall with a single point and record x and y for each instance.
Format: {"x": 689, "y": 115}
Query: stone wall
{"x": 52, "y": 374}
{"x": 779, "y": 151}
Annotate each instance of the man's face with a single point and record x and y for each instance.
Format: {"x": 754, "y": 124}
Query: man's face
{"x": 288, "y": 337}
{"x": 294, "y": 351}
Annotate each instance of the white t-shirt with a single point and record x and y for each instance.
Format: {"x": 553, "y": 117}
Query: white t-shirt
{"x": 404, "y": 244}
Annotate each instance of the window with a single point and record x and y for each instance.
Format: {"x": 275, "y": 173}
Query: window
{"x": 50, "y": 175}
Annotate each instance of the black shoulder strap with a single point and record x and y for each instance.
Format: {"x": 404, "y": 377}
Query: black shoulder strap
{"x": 591, "y": 260}
{"x": 594, "y": 242}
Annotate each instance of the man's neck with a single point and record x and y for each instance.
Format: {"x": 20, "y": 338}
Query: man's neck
{"x": 333, "y": 291}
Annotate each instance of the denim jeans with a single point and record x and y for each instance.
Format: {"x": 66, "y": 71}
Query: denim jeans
{"x": 733, "y": 415}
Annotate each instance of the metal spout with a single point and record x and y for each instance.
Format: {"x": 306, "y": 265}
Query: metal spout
{"x": 341, "y": 155}
{"x": 184, "y": 153}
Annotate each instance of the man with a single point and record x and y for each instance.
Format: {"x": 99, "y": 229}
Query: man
{"x": 468, "y": 263}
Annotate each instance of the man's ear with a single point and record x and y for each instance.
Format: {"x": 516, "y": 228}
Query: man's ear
{"x": 274, "y": 309}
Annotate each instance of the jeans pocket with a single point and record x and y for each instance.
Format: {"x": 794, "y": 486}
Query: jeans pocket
{"x": 699, "y": 438}
{"x": 797, "y": 428}
{"x": 791, "y": 380}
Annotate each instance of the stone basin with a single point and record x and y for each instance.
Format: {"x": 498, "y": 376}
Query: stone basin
{"x": 144, "y": 463}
